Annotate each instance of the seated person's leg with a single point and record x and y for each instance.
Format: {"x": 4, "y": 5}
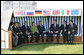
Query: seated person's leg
{"x": 42, "y": 37}
{"x": 72, "y": 36}
{"x": 47, "y": 33}
{"x": 69, "y": 37}
{"x": 63, "y": 38}
{"x": 16, "y": 40}
{"x": 37, "y": 36}
{"x": 13, "y": 43}
{"x": 31, "y": 37}
{"x": 66, "y": 36}
{"x": 25, "y": 38}
{"x": 19, "y": 39}
{"x": 58, "y": 37}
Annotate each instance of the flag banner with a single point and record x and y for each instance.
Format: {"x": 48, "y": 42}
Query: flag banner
{"x": 56, "y": 12}
{"x": 46, "y": 12}
{"x": 74, "y": 12}
{"x": 30, "y": 13}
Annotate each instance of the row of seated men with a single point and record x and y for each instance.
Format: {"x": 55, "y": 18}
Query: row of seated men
{"x": 20, "y": 34}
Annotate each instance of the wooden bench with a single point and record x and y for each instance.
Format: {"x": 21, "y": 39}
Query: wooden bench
{"x": 77, "y": 39}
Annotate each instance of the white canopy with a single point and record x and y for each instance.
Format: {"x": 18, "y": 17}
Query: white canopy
{"x": 5, "y": 19}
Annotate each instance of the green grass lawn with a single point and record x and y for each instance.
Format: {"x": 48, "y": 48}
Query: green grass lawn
{"x": 49, "y": 48}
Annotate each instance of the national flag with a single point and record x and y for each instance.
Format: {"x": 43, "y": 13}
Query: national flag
{"x": 62, "y": 12}
{"x": 56, "y": 12}
{"x": 67, "y": 12}
{"x": 46, "y": 12}
{"x": 30, "y": 13}
{"x": 74, "y": 12}
{"x": 38, "y": 12}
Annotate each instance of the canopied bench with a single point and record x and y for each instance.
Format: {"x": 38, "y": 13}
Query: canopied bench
{"x": 48, "y": 20}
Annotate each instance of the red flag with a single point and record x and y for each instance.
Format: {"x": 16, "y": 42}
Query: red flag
{"x": 67, "y": 12}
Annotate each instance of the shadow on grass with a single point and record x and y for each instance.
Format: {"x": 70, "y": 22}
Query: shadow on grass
{"x": 38, "y": 47}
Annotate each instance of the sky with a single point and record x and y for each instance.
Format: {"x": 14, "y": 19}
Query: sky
{"x": 60, "y": 4}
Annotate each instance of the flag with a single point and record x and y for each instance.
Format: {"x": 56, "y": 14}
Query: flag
{"x": 56, "y": 12}
{"x": 62, "y": 12}
{"x": 30, "y": 13}
{"x": 74, "y": 12}
{"x": 38, "y": 12}
{"x": 67, "y": 12}
{"x": 46, "y": 12}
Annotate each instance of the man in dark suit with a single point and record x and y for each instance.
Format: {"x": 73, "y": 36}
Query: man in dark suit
{"x": 14, "y": 36}
{"x": 26, "y": 31}
{"x": 54, "y": 29}
{"x": 42, "y": 30}
{"x": 72, "y": 30}
{"x": 18, "y": 32}
{"x": 64, "y": 31}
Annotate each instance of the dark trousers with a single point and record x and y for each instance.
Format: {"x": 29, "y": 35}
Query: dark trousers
{"x": 25, "y": 38}
{"x": 20, "y": 41}
{"x": 65, "y": 36}
{"x": 51, "y": 35}
{"x": 13, "y": 42}
{"x": 36, "y": 35}
{"x": 70, "y": 37}
{"x": 42, "y": 36}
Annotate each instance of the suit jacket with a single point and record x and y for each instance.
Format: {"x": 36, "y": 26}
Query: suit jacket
{"x": 52, "y": 28}
{"x": 17, "y": 29}
{"x": 74, "y": 28}
{"x": 24, "y": 29}
{"x": 63, "y": 28}
{"x": 11, "y": 29}
{"x": 41, "y": 29}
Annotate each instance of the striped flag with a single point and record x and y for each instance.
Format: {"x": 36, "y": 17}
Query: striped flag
{"x": 46, "y": 12}
{"x": 56, "y": 12}
{"x": 62, "y": 12}
{"x": 67, "y": 12}
{"x": 38, "y": 12}
{"x": 30, "y": 13}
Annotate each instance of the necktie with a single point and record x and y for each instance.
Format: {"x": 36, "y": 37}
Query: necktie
{"x": 26, "y": 29}
{"x": 64, "y": 26}
{"x": 71, "y": 26}
{"x": 54, "y": 25}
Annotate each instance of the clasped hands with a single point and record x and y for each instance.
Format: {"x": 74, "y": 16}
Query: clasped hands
{"x": 69, "y": 31}
{"x": 27, "y": 33}
{"x": 19, "y": 33}
{"x": 55, "y": 31}
{"x": 44, "y": 31}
